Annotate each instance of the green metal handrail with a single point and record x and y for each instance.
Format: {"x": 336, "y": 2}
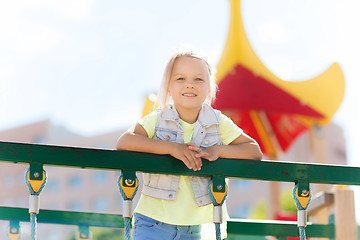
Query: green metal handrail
{"x": 277, "y": 228}
{"x": 64, "y": 217}
{"x": 145, "y": 162}
{"x": 235, "y": 227}
{"x": 38, "y": 155}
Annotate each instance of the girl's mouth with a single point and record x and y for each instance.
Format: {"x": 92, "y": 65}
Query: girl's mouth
{"x": 189, "y": 94}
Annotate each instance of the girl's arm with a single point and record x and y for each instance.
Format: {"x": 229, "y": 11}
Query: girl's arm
{"x": 136, "y": 139}
{"x": 243, "y": 147}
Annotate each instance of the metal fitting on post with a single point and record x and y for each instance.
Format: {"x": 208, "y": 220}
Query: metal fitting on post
{"x": 129, "y": 182}
{"x": 217, "y": 214}
{"x": 34, "y": 203}
{"x": 304, "y": 193}
{"x": 301, "y": 218}
{"x": 13, "y": 230}
{"x": 83, "y": 233}
{"x": 127, "y": 208}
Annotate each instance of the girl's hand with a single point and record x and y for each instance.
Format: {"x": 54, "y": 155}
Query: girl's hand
{"x": 187, "y": 156}
{"x": 211, "y": 153}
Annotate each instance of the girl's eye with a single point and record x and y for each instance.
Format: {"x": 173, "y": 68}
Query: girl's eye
{"x": 198, "y": 79}
{"x": 180, "y": 78}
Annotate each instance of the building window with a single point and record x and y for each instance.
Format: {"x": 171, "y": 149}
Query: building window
{"x": 100, "y": 204}
{"x": 75, "y": 182}
{"x": 53, "y": 206}
{"x": 52, "y": 186}
{"x": 241, "y": 184}
{"x": 75, "y": 206}
{"x": 241, "y": 212}
{"x": 100, "y": 177}
{"x": 39, "y": 139}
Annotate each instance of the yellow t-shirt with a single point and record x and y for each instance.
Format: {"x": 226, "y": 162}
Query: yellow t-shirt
{"x": 183, "y": 211}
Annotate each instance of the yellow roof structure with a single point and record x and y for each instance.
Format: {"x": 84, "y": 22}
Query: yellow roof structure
{"x": 323, "y": 93}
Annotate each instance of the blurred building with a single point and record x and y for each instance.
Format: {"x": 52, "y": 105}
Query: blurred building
{"x": 90, "y": 190}
{"x": 72, "y": 189}
{"x": 244, "y": 195}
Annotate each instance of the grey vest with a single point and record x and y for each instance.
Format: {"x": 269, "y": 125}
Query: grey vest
{"x": 168, "y": 128}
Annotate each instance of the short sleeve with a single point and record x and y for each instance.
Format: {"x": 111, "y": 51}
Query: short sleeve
{"x": 148, "y": 123}
{"x": 229, "y": 131}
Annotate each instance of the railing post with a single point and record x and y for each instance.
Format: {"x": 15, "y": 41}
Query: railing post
{"x": 35, "y": 178}
{"x": 84, "y": 233}
{"x": 345, "y": 222}
{"x": 302, "y": 197}
{"x": 218, "y": 192}
{"x": 128, "y": 185}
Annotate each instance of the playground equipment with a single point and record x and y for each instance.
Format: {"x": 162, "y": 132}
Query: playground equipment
{"x": 129, "y": 162}
{"x": 272, "y": 111}
{"x": 340, "y": 203}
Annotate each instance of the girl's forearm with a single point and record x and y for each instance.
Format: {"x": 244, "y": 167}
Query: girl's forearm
{"x": 241, "y": 151}
{"x": 135, "y": 142}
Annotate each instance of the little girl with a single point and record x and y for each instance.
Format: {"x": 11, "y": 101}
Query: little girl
{"x": 189, "y": 129}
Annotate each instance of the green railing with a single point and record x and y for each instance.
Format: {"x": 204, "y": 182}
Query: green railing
{"x": 235, "y": 227}
{"x": 303, "y": 173}
{"x": 63, "y": 217}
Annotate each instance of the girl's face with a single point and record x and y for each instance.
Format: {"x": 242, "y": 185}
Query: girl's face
{"x": 189, "y": 83}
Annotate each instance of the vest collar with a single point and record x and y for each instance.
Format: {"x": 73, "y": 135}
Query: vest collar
{"x": 207, "y": 115}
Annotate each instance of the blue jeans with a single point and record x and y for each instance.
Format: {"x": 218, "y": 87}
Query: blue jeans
{"x": 151, "y": 229}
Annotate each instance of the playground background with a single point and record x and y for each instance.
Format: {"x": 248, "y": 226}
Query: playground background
{"x": 88, "y": 65}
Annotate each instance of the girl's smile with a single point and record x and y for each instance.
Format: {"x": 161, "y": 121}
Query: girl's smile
{"x": 189, "y": 84}
{"x": 189, "y": 95}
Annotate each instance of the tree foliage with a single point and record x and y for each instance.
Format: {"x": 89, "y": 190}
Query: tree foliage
{"x": 287, "y": 204}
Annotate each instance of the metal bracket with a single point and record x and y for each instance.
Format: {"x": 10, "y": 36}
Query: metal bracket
{"x": 129, "y": 178}
{"x": 36, "y": 171}
{"x": 84, "y": 232}
{"x": 14, "y": 227}
{"x": 304, "y": 188}
{"x": 219, "y": 184}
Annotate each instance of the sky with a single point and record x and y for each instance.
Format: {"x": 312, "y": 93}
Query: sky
{"x": 89, "y": 64}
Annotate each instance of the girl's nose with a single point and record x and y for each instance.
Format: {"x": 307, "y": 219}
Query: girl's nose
{"x": 189, "y": 85}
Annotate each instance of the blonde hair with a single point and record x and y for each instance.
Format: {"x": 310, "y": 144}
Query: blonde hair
{"x": 163, "y": 98}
